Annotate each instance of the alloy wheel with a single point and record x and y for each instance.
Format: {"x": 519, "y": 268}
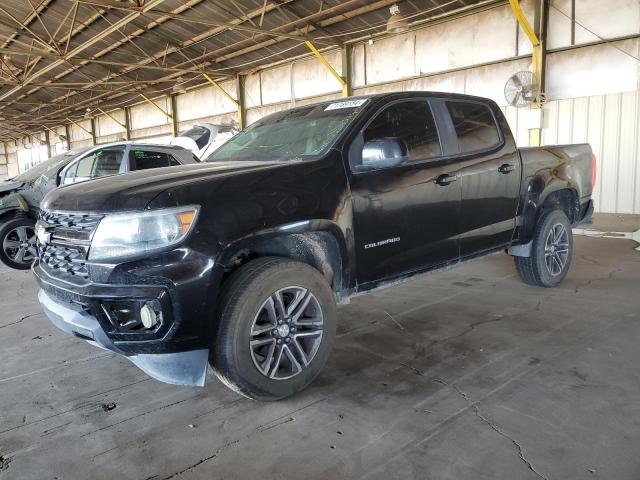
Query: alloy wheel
{"x": 19, "y": 245}
{"x": 556, "y": 249}
{"x": 286, "y": 333}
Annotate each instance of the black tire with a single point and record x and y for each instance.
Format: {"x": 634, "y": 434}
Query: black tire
{"x": 13, "y": 253}
{"x": 248, "y": 305}
{"x": 548, "y": 265}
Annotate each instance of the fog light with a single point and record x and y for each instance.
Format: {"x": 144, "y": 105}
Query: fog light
{"x": 148, "y": 316}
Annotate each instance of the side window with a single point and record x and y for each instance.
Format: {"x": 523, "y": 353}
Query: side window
{"x": 145, "y": 159}
{"x": 410, "y": 122}
{"x": 475, "y": 126}
{"x": 100, "y": 163}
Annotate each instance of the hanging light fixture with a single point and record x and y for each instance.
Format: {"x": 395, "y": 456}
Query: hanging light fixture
{"x": 87, "y": 113}
{"x": 179, "y": 87}
{"x": 396, "y": 23}
{"x": 8, "y": 61}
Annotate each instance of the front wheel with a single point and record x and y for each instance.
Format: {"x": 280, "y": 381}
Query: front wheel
{"x": 18, "y": 240}
{"x": 276, "y": 323}
{"x": 551, "y": 252}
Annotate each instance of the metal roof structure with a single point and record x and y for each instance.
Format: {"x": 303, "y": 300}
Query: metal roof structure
{"x": 60, "y": 57}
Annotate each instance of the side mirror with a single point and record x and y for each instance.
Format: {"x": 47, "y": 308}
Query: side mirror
{"x": 383, "y": 153}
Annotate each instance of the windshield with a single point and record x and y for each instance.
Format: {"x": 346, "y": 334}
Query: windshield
{"x": 35, "y": 172}
{"x": 292, "y": 135}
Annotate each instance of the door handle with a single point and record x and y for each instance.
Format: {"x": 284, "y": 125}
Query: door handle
{"x": 506, "y": 168}
{"x": 446, "y": 179}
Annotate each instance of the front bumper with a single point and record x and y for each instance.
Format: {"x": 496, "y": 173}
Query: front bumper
{"x": 180, "y": 368}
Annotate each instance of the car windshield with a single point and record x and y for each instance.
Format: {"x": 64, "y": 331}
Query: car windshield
{"x": 292, "y": 135}
{"x": 35, "y": 172}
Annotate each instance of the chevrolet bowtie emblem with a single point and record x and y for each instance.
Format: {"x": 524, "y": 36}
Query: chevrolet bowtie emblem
{"x": 42, "y": 234}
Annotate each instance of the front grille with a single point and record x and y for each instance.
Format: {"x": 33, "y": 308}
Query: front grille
{"x": 71, "y": 221}
{"x": 67, "y": 247}
{"x": 67, "y": 259}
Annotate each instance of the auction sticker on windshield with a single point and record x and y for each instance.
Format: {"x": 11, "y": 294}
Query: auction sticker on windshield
{"x": 346, "y": 104}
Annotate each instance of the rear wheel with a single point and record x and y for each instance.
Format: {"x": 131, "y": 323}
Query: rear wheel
{"x": 551, "y": 252}
{"x": 276, "y": 326}
{"x": 18, "y": 241}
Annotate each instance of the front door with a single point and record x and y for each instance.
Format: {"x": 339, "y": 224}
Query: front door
{"x": 406, "y": 214}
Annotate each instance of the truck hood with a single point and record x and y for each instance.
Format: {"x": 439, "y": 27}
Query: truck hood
{"x": 135, "y": 190}
{"x": 9, "y": 186}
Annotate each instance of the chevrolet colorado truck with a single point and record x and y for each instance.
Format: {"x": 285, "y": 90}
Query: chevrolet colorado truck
{"x": 20, "y": 196}
{"x": 239, "y": 262}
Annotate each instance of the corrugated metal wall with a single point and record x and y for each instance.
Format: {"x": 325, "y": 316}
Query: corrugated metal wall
{"x": 610, "y": 124}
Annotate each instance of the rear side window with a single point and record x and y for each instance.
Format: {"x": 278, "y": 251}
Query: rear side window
{"x": 145, "y": 159}
{"x": 411, "y": 122}
{"x": 475, "y": 126}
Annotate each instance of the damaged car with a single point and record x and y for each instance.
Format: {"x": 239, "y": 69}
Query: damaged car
{"x": 20, "y": 196}
{"x": 239, "y": 262}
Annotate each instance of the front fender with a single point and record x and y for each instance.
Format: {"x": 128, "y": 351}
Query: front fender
{"x": 320, "y": 243}
{"x": 13, "y": 201}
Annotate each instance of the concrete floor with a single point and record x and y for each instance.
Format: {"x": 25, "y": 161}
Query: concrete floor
{"x": 467, "y": 374}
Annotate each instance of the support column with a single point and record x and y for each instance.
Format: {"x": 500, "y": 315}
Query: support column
{"x": 347, "y": 88}
{"x": 93, "y": 130}
{"x": 242, "y": 109}
{"x": 127, "y": 124}
{"x": 174, "y": 115}
{"x": 537, "y": 37}
{"x": 67, "y": 132}
{"x": 47, "y": 139}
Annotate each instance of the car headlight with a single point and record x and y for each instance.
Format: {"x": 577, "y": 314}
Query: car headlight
{"x": 138, "y": 233}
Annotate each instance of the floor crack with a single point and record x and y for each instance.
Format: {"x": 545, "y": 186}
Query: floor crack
{"x": 22, "y": 319}
{"x": 493, "y": 426}
{"x": 497, "y": 429}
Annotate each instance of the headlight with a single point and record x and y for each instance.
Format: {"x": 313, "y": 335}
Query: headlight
{"x": 136, "y": 233}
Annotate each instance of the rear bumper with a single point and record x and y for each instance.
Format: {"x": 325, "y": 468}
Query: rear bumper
{"x": 181, "y": 368}
{"x": 586, "y": 215}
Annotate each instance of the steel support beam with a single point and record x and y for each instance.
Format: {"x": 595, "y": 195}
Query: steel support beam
{"x": 80, "y": 127}
{"x": 328, "y": 66}
{"x": 149, "y": 4}
{"x": 124, "y": 127}
{"x": 151, "y": 102}
{"x": 536, "y": 35}
{"x": 220, "y": 88}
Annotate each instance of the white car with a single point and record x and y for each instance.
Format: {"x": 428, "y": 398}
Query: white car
{"x": 204, "y": 139}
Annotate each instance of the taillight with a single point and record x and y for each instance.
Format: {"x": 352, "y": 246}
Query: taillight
{"x": 593, "y": 171}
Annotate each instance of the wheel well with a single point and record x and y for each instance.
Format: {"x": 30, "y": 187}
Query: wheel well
{"x": 566, "y": 200}
{"x": 11, "y": 214}
{"x": 320, "y": 250}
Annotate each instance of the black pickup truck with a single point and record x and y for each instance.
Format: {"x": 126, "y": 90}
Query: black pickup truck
{"x": 239, "y": 262}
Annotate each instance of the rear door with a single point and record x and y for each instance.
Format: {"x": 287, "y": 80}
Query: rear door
{"x": 405, "y": 216}
{"x": 490, "y": 176}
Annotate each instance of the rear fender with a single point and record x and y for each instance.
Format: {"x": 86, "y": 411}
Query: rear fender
{"x": 545, "y": 194}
